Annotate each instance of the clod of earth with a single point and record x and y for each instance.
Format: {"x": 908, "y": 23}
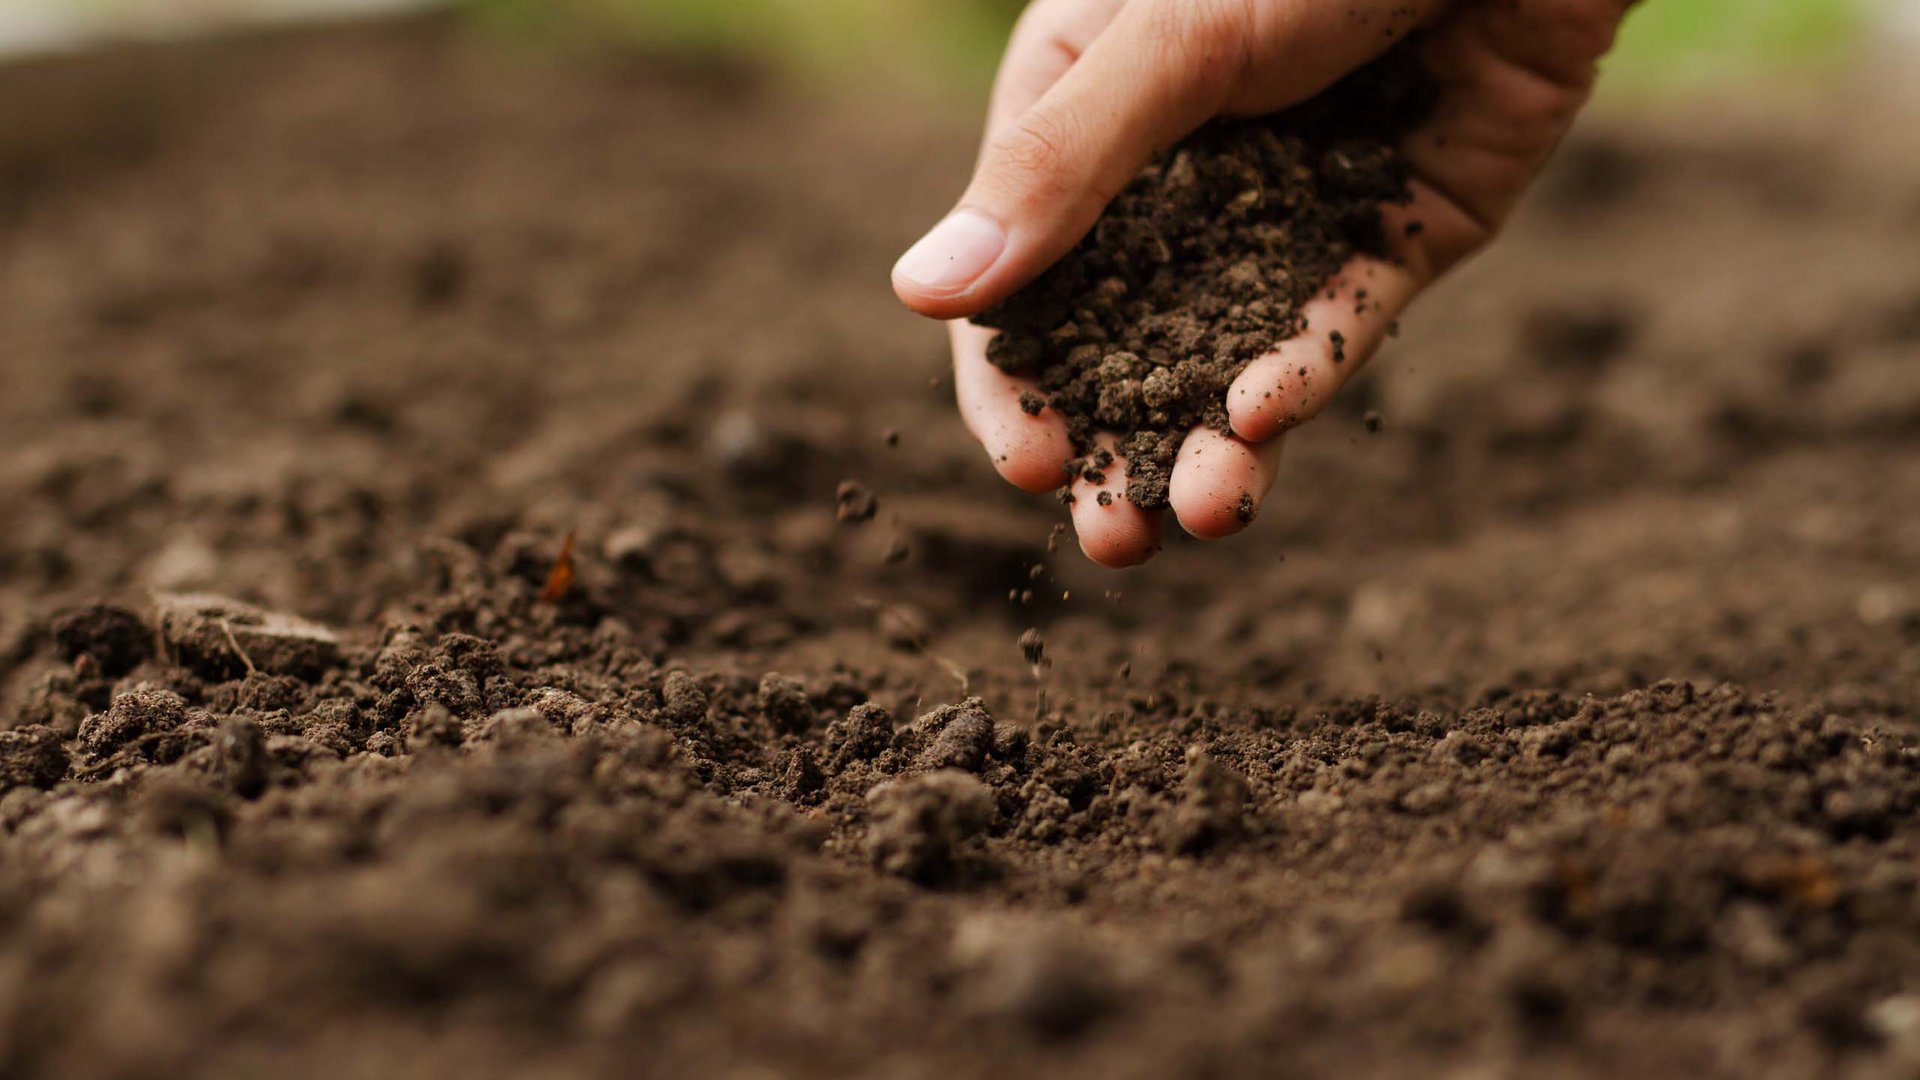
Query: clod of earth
{"x": 223, "y": 638}
{"x": 855, "y": 503}
{"x": 1212, "y": 806}
{"x": 954, "y": 736}
{"x": 114, "y": 638}
{"x": 31, "y": 756}
{"x": 920, "y": 827}
{"x": 785, "y": 704}
{"x": 145, "y": 710}
{"x": 1033, "y": 646}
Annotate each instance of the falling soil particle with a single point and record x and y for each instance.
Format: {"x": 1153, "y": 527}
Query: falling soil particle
{"x": 1032, "y": 646}
{"x": 854, "y": 503}
{"x": 897, "y": 550}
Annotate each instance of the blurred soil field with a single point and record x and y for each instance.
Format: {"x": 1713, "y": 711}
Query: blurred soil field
{"x": 1557, "y": 718}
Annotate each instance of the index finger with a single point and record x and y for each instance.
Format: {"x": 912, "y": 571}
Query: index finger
{"x": 1029, "y": 449}
{"x": 1046, "y": 41}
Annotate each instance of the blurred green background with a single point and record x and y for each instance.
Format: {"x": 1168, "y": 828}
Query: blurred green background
{"x": 1685, "y": 43}
{"x": 1668, "y": 46}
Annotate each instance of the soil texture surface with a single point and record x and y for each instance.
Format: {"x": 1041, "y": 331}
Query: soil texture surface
{"x": 491, "y": 585}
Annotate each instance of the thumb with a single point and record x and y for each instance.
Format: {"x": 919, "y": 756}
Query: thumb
{"x": 1152, "y": 76}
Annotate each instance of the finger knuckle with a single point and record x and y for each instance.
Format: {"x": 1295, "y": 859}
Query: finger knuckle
{"x": 1202, "y": 45}
{"x": 1199, "y": 22}
{"x": 1035, "y": 157}
{"x": 1033, "y": 19}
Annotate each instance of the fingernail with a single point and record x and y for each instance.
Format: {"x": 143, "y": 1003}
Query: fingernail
{"x": 954, "y": 254}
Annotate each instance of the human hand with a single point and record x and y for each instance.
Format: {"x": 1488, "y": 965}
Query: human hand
{"x": 1092, "y": 90}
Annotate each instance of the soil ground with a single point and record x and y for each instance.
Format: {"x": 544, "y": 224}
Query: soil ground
{"x": 1562, "y": 725}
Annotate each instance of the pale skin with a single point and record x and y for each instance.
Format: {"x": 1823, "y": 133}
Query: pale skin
{"x": 1092, "y": 90}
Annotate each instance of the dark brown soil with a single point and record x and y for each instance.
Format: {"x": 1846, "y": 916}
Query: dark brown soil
{"x": 1564, "y": 726}
{"x": 1202, "y": 264}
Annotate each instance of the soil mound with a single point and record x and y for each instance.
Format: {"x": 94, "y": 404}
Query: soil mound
{"x": 1202, "y": 263}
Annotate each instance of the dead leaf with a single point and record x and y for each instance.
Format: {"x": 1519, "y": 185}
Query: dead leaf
{"x": 560, "y": 579}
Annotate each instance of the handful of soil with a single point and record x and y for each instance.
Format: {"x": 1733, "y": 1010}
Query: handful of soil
{"x": 1202, "y": 264}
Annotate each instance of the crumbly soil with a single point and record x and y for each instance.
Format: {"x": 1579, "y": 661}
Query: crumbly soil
{"x": 1201, "y": 264}
{"x": 1562, "y": 726}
